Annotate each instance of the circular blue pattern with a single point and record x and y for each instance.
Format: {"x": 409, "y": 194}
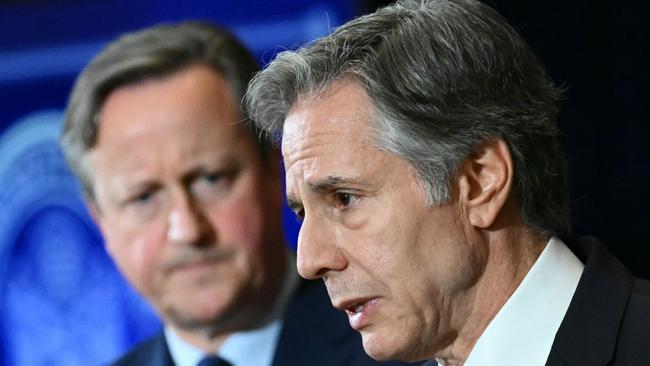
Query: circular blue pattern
{"x": 63, "y": 301}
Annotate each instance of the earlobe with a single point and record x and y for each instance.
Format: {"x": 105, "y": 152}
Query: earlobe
{"x": 485, "y": 180}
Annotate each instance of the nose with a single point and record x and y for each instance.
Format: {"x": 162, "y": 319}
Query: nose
{"x": 319, "y": 252}
{"x": 186, "y": 224}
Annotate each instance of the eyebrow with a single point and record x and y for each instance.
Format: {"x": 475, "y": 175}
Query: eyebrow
{"x": 319, "y": 186}
{"x": 327, "y": 183}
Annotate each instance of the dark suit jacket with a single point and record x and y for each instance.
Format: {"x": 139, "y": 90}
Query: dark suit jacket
{"x": 313, "y": 333}
{"x": 608, "y": 321}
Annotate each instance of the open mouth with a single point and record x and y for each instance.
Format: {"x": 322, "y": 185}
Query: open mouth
{"x": 355, "y": 308}
{"x": 358, "y": 311}
{"x": 353, "y": 305}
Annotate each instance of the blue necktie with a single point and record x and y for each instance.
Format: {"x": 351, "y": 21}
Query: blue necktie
{"x": 212, "y": 360}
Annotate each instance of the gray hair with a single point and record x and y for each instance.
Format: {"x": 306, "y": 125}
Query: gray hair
{"x": 444, "y": 77}
{"x": 151, "y": 53}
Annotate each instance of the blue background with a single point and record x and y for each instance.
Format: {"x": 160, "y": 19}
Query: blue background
{"x": 62, "y": 302}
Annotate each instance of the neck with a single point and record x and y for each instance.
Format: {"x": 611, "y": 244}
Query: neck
{"x": 203, "y": 340}
{"x": 511, "y": 252}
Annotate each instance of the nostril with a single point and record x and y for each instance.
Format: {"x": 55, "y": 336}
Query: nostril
{"x": 322, "y": 272}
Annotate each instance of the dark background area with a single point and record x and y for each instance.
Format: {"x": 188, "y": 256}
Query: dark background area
{"x": 599, "y": 51}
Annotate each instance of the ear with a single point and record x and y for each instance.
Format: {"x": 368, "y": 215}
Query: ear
{"x": 485, "y": 181}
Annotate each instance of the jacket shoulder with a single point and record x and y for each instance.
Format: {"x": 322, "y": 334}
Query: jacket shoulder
{"x": 151, "y": 352}
{"x": 608, "y": 321}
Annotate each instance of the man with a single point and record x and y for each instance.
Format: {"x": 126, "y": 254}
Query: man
{"x": 188, "y": 199}
{"x": 420, "y": 148}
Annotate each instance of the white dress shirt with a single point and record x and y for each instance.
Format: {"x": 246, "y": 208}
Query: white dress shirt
{"x": 523, "y": 331}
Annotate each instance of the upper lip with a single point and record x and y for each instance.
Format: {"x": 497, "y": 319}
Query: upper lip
{"x": 352, "y": 303}
{"x": 188, "y": 261}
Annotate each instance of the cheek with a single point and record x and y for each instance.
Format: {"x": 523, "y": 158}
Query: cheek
{"x": 138, "y": 254}
{"x": 453, "y": 261}
{"x": 383, "y": 246}
{"x": 239, "y": 222}
{"x": 409, "y": 252}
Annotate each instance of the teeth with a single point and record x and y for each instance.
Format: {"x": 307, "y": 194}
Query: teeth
{"x": 358, "y": 308}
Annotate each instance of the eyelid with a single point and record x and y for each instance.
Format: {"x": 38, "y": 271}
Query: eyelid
{"x": 136, "y": 195}
{"x": 215, "y": 176}
{"x": 300, "y": 214}
{"x": 219, "y": 173}
{"x": 142, "y": 196}
{"x": 218, "y": 178}
{"x": 296, "y": 208}
{"x": 143, "y": 204}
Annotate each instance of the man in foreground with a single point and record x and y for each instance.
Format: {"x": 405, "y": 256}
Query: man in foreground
{"x": 188, "y": 199}
{"x": 420, "y": 147}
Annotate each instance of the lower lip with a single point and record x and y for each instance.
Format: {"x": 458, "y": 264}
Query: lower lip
{"x": 359, "y": 320}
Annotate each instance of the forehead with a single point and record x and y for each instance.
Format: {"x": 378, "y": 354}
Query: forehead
{"x": 345, "y": 104}
{"x": 330, "y": 134}
{"x": 341, "y": 112}
{"x": 180, "y": 118}
{"x": 194, "y": 95}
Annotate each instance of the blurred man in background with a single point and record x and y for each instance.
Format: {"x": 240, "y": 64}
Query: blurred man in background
{"x": 421, "y": 151}
{"x": 188, "y": 199}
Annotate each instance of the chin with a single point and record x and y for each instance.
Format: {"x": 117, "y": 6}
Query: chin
{"x": 192, "y": 318}
{"x": 195, "y": 311}
{"x": 383, "y": 348}
{"x": 376, "y": 347}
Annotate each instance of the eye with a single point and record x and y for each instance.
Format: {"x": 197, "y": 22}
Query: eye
{"x": 211, "y": 185}
{"x": 141, "y": 198}
{"x": 344, "y": 199}
{"x": 299, "y": 211}
{"x": 211, "y": 178}
{"x": 210, "y": 181}
{"x": 143, "y": 204}
{"x": 296, "y": 207}
{"x": 300, "y": 214}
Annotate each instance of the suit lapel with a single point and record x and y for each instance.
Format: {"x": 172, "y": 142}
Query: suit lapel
{"x": 152, "y": 352}
{"x": 163, "y": 356}
{"x": 313, "y": 331}
{"x": 588, "y": 333}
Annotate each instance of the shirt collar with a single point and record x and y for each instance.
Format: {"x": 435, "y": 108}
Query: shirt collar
{"x": 237, "y": 348}
{"x": 523, "y": 331}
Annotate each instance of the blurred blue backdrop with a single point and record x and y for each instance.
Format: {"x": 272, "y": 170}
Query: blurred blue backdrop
{"x": 62, "y": 300}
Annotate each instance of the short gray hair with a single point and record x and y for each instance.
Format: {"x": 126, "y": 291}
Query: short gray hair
{"x": 444, "y": 77}
{"x": 151, "y": 53}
